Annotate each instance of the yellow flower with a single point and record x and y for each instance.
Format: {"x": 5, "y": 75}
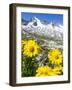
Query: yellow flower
{"x": 44, "y": 71}
{"x": 48, "y": 71}
{"x": 31, "y": 48}
{"x": 58, "y": 70}
{"x": 55, "y": 56}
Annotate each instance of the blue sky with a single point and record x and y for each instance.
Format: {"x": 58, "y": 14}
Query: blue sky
{"x": 55, "y": 18}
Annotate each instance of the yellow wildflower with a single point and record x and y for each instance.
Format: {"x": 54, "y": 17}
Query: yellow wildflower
{"x": 44, "y": 71}
{"x": 55, "y": 56}
{"x": 48, "y": 71}
{"x": 58, "y": 70}
{"x": 31, "y": 48}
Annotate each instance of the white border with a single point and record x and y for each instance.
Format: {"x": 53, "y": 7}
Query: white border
{"x": 63, "y": 77}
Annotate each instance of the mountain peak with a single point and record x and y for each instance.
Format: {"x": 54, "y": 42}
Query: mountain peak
{"x": 35, "y": 19}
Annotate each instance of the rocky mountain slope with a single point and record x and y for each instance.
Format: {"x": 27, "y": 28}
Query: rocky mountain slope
{"x": 49, "y": 33}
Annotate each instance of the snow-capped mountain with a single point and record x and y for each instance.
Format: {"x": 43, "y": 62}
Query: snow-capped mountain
{"x": 43, "y": 29}
{"x": 49, "y": 30}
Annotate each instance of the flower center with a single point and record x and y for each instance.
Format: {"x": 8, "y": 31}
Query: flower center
{"x": 31, "y": 49}
{"x": 57, "y": 57}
